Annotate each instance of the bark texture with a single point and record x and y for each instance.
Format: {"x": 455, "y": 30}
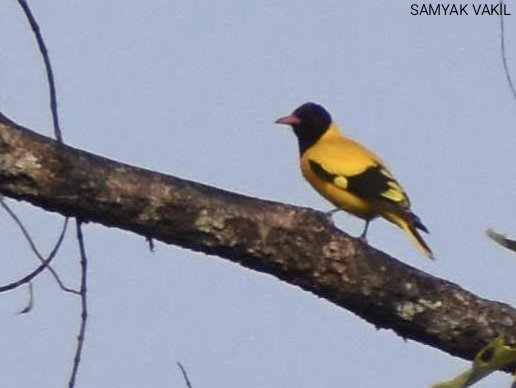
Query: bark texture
{"x": 297, "y": 245}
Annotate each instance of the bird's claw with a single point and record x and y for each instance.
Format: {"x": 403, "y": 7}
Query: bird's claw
{"x": 331, "y": 212}
{"x": 329, "y": 215}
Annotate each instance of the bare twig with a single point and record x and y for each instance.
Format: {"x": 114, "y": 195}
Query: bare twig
{"x": 52, "y": 91}
{"x": 501, "y": 239}
{"x": 58, "y": 134}
{"x": 84, "y": 304}
{"x": 44, "y": 264}
{"x": 34, "y": 249}
{"x": 48, "y": 67}
{"x": 55, "y": 119}
{"x": 504, "y": 55}
{"x": 29, "y": 306}
{"x": 185, "y": 375}
{"x": 151, "y": 244}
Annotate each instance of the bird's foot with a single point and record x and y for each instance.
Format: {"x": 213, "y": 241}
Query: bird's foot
{"x": 331, "y": 212}
{"x": 329, "y": 215}
{"x": 363, "y": 236}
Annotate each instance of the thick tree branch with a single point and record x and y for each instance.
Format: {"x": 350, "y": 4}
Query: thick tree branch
{"x": 298, "y": 245}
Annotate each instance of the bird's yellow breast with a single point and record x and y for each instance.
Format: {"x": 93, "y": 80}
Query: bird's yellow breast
{"x": 343, "y": 157}
{"x": 339, "y": 197}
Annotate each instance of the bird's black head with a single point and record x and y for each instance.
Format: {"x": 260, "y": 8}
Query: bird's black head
{"x": 310, "y": 121}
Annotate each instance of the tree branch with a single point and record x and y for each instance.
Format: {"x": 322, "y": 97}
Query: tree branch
{"x": 298, "y": 245}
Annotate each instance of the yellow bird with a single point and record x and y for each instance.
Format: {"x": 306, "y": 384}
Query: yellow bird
{"x": 349, "y": 175}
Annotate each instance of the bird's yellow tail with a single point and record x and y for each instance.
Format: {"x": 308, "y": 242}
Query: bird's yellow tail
{"x": 409, "y": 222}
{"x": 417, "y": 239}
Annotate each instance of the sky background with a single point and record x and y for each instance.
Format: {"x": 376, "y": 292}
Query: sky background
{"x": 192, "y": 88}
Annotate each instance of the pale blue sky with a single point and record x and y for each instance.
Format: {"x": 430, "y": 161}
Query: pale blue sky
{"x": 193, "y": 89}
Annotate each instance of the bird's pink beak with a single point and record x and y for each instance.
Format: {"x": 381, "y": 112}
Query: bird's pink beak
{"x": 288, "y": 120}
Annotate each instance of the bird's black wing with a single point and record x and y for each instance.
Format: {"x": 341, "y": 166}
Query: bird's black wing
{"x": 375, "y": 183}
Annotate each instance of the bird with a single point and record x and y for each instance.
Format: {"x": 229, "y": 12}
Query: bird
{"x": 349, "y": 175}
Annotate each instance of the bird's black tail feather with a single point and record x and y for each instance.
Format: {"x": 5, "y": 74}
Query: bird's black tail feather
{"x": 417, "y": 223}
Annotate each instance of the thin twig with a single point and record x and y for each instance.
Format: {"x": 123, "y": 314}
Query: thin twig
{"x": 33, "y": 247}
{"x": 504, "y": 55}
{"x": 185, "y": 375}
{"x": 48, "y": 67}
{"x": 151, "y": 244}
{"x": 29, "y": 306}
{"x": 57, "y": 131}
{"x": 501, "y": 239}
{"x": 38, "y": 270}
{"x": 84, "y": 304}
{"x": 55, "y": 116}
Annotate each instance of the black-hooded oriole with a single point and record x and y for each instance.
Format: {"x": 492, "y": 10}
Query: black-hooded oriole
{"x": 349, "y": 175}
